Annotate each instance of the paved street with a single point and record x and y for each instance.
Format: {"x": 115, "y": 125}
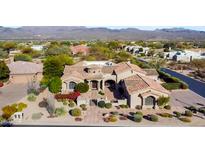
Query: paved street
{"x": 12, "y": 93}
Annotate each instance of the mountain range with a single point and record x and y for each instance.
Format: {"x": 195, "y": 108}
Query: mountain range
{"x": 98, "y": 33}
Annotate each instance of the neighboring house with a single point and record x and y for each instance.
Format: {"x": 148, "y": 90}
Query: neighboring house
{"x": 184, "y": 56}
{"x": 21, "y": 71}
{"x": 80, "y": 49}
{"x": 135, "y": 82}
{"x": 37, "y": 47}
{"x": 136, "y": 49}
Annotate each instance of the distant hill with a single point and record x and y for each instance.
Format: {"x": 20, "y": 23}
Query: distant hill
{"x": 84, "y": 33}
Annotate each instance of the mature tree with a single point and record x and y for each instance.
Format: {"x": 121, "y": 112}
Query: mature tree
{"x": 114, "y": 45}
{"x": 4, "y": 71}
{"x": 151, "y": 52}
{"x": 82, "y": 87}
{"x": 53, "y": 67}
{"x": 3, "y": 53}
{"x": 27, "y": 50}
{"x": 9, "y": 46}
{"x": 65, "y": 59}
{"x": 198, "y": 64}
{"x": 122, "y": 57}
{"x": 56, "y": 50}
{"x": 55, "y": 85}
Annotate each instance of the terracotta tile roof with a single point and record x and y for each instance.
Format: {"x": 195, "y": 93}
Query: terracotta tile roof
{"x": 138, "y": 82}
{"x": 151, "y": 72}
{"x": 125, "y": 66}
{"x": 79, "y": 49}
{"x": 22, "y": 67}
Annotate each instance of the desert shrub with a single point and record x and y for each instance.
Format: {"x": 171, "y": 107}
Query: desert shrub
{"x": 123, "y": 106}
{"x": 8, "y": 111}
{"x": 137, "y": 117}
{"x": 83, "y": 107}
{"x": 55, "y": 85}
{"x": 167, "y": 107}
{"x": 22, "y": 57}
{"x": 201, "y": 110}
{"x": 60, "y": 111}
{"x": 188, "y": 113}
{"x": 138, "y": 107}
{"x": 178, "y": 114}
{"x": 192, "y": 108}
{"x": 75, "y": 112}
{"x": 36, "y": 116}
{"x": 1, "y": 119}
{"x": 78, "y": 119}
{"x": 115, "y": 113}
{"x": 31, "y": 97}
{"x": 112, "y": 118}
{"x": 21, "y": 106}
{"x": 71, "y": 104}
{"x": 185, "y": 120}
{"x": 71, "y": 96}
{"x": 4, "y": 75}
{"x": 101, "y": 93}
{"x": 82, "y": 87}
{"x": 108, "y": 105}
{"x": 153, "y": 117}
{"x": 166, "y": 115}
{"x": 101, "y": 104}
{"x": 123, "y": 118}
{"x": 138, "y": 112}
{"x": 162, "y": 101}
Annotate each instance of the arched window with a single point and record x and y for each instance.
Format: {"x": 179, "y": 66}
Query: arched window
{"x": 150, "y": 100}
{"x": 71, "y": 85}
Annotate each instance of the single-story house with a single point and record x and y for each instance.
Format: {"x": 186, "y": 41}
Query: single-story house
{"x": 80, "y": 49}
{"x": 22, "y": 71}
{"x": 133, "y": 84}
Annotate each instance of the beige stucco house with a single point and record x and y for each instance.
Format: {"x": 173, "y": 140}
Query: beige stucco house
{"x": 128, "y": 81}
{"x": 21, "y": 71}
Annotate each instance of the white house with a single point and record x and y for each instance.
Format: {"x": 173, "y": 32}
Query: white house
{"x": 136, "y": 49}
{"x": 184, "y": 56}
{"x": 37, "y": 47}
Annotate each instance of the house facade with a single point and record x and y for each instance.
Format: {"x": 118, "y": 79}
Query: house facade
{"x": 127, "y": 81}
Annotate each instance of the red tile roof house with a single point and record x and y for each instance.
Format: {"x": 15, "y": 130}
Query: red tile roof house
{"x": 80, "y": 49}
{"x": 139, "y": 88}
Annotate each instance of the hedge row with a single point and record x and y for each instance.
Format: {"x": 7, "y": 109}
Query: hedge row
{"x": 172, "y": 82}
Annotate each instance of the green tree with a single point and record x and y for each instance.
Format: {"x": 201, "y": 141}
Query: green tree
{"x": 9, "y": 46}
{"x": 198, "y": 64}
{"x": 162, "y": 101}
{"x": 82, "y": 87}
{"x": 4, "y": 71}
{"x": 53, "y": 67}
{"x": 56, "y": 50}
{"x": 55, "y": 85}
{"x": 27, "y": 50}
{"x": 3, "y": 53}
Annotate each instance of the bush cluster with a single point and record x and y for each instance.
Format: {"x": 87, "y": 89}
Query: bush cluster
{"x": 167, "y": 107}
{"x": 75, "y": 112}
{"x": 82, "y": 87}
{"x": 185, "y": 120}
{"x": 101, "y": 104}
{"x": 108, "y": 105}
{"x": 178, "y": 114}
{"x": 166, "y": 115}
{"x": 137, "y": 117}
{"x": 60, "y": 111}
{"x": 123, "y": 106}
{"x": 172, "y": 82}
{"x": 188, "y": 113}
{"x": 153, "y": 118}
{"x": 31, "y": 97}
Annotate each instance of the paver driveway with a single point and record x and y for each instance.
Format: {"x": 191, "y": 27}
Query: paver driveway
{"x": 12, "y": 93}
{"x": 182, "y": 98}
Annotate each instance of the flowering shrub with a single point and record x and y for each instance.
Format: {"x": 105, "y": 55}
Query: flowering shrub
{"x": 72, "y": 96}
{"x": 1, "y": 84}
